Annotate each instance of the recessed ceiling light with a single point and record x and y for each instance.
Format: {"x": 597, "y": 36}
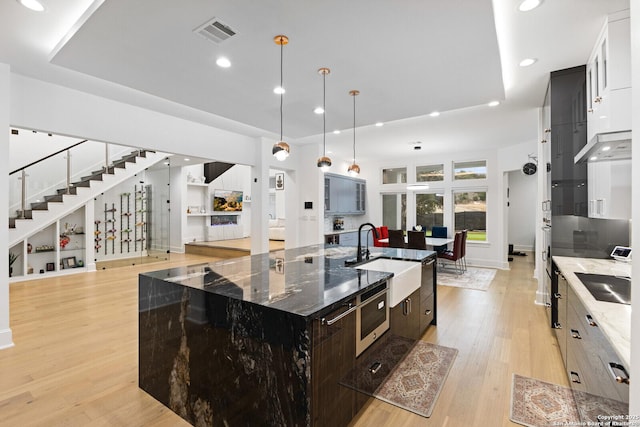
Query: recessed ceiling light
{"x": 493, "y": 103}
{"x": 606, "y": 148}
{"x": 187, "y": 159}
{"x": 593, "y": 158}
{"x": 223, "y": 62}
{"x": 435, "y": 114}
{"x": 379, "y": 124}
{"x": 527, "y": 5}
{"x": 167, "y": 163}
{"x": 278, "y": 90}
{"x": 34, "y": 5}
{"x": 318, "y": 110}
{"x": 527, "y": 62}
{"x": 337, "y": 131}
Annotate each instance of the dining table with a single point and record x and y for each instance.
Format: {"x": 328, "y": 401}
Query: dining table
{"x": 430, "y": 241}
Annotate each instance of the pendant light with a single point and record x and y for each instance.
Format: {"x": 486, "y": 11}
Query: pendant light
{"x": 324, "y": 162}
{"x": 281, "y": 149}
{"x": 354, "y": 169}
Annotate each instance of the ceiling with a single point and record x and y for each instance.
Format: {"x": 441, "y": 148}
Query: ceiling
{"x": 407, "y": 58}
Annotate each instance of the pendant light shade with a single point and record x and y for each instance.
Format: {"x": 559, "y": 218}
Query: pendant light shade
{"x": 354, "y": 169}
{"x": 324, "y": 162}
{"x": 281, "y": 149}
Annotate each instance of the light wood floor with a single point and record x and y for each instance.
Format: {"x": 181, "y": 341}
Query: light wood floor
{"x": 75, "y": 359}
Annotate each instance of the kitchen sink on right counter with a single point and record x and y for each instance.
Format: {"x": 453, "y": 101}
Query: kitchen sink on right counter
{"x": 593, "y": 331}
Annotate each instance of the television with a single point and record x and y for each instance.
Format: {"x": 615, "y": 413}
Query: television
{"x": 227, "y": 201}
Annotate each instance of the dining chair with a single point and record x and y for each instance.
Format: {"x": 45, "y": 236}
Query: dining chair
{"x": 463, "y": 249}
{"x": 396, "y": 239}
{"x": 415, "y": 240}
{"x": 383, "y": 233}
{"x": 454, "y": 254}
{"x": 439, "y": 232}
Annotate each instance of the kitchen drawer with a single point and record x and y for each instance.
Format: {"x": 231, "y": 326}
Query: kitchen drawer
{"x": 427, "y": 312}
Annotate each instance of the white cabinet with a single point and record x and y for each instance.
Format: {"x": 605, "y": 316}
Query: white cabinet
{"x": 609, "y": 78}
{"x": 344, "y": 195}
{"x": 610, "y": 189}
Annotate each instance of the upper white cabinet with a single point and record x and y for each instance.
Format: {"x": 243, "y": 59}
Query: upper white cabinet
{"x": 609, "y": 78}
{"x": 344, "y": 195}
{"x": 610, "y": 189}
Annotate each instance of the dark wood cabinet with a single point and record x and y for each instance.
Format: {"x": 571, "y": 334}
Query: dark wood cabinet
{"x": 428, "y": 292}
{"x": 568, "y": 135}
{"x": 404, "y": 318}
{"x": 333, "y": 355}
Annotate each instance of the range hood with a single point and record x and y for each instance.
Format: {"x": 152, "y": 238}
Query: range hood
{"x": 606, "y": 146}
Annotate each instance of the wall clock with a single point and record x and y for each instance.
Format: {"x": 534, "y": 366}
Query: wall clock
{"x": 529, "y": 168}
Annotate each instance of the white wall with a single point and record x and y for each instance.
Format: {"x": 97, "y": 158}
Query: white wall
{"x": 634, "y": 407}
{"x": 6, "y": 339}
{"x": 522, "y": 211}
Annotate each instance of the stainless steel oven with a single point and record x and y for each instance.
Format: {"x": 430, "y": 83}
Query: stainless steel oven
{"x": 372, "y": 316}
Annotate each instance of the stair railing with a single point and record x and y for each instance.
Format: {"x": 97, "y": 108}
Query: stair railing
{"x": 89, "y": 157}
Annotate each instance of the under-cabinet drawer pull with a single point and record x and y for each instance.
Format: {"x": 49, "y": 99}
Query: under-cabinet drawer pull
{"x": 590, "y": 320}
{"x": 430, "y": 262}
{"x": 375, "y": 367}
{"x": 619, "y": 378}
{"x": 575, "y": 378}
{"x": 576, "y": 334}
{"x": 427, "y": 312}
{"x": 557, "y": 325}
{"x": 338, "y": 317}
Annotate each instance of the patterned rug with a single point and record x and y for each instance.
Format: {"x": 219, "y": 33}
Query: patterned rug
{"x": 474, "y": 278}
{"x": 410, "y": 375}
{"x": 536, "y": 403}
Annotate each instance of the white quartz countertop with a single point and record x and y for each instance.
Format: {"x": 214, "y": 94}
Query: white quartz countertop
{"x": 614, "y": 319}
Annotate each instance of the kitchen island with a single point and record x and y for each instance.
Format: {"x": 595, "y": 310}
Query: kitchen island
{"x": 258, "y": 340}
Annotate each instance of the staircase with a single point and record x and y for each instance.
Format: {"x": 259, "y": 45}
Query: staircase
{"x": 65, "y": 201}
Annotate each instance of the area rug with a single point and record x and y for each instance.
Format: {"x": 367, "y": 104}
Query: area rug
{"x": 536, "y": 403}
{"x": 410, "y": 375}
{"x": 474, "y": 278}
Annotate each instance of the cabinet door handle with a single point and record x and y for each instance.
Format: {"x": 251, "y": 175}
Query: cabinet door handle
{"x": 597, "y": 99}
{"x": 557, "y": 325}
{"x": 590, "y": 320}
{"x": 410, "y": 309}
{"x": 619, "y": 378}
{"x": 338, "y": 317}
{"x": 557, "y": 295}
{"x": 430, "y": 262}
{"x": 576, "y": 334}
{"x": 427, "y": 312}
{"x": 590, "y": 110}
{"x": 547, "y": 130}
{"x": 575, "y": 378}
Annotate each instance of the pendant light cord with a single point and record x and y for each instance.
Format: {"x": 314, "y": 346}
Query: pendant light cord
{"x": 281, "y": 87}
{"x": 354, "y": 129}
{"x": 324, "y": 114}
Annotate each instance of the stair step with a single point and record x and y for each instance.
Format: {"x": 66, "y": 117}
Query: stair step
{"x": 54, "y": 198}
{"x": 72, "y": 190}
{"x": 82, "y": 184}
{"x": 96, "y": 177}
{"x": 40, "y": 206}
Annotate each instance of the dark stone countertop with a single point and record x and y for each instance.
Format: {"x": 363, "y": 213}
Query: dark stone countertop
{"x": 308, "y": 281}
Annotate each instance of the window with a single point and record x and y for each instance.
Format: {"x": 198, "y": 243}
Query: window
{"x": 471, "y": 214}
{"x": 430, "y": 173}
{"x": 429, "y": 210}
{"x": 394, "y": 176}
{"x": 470, "y": 170}
{"x": 394, "y": 211}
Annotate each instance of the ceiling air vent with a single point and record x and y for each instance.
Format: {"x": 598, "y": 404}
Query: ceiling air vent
{"x": 215, "y": 30}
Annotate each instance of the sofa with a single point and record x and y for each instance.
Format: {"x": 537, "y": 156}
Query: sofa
{"x": 276, "y": 229}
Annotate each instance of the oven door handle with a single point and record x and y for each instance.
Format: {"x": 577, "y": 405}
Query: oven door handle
{"x": 339, "y": 316}
{"x": 371, "y": 298}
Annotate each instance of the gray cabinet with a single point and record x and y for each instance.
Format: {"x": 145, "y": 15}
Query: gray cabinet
{"x": 344, "y": 195}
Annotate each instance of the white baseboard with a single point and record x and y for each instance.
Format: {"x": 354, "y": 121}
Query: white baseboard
{"x": 6, "y": 339}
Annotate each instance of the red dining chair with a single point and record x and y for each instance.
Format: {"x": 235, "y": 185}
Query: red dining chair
{"x": 463, "y": 250}
{"x": 454, "y": 255}
{"x": 383, "y": 233}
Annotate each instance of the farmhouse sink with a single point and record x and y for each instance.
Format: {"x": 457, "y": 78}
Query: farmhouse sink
{"x": 405, "y": 280}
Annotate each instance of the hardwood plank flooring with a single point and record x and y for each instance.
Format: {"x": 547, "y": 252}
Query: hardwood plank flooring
{"x": 75, "y": 359}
